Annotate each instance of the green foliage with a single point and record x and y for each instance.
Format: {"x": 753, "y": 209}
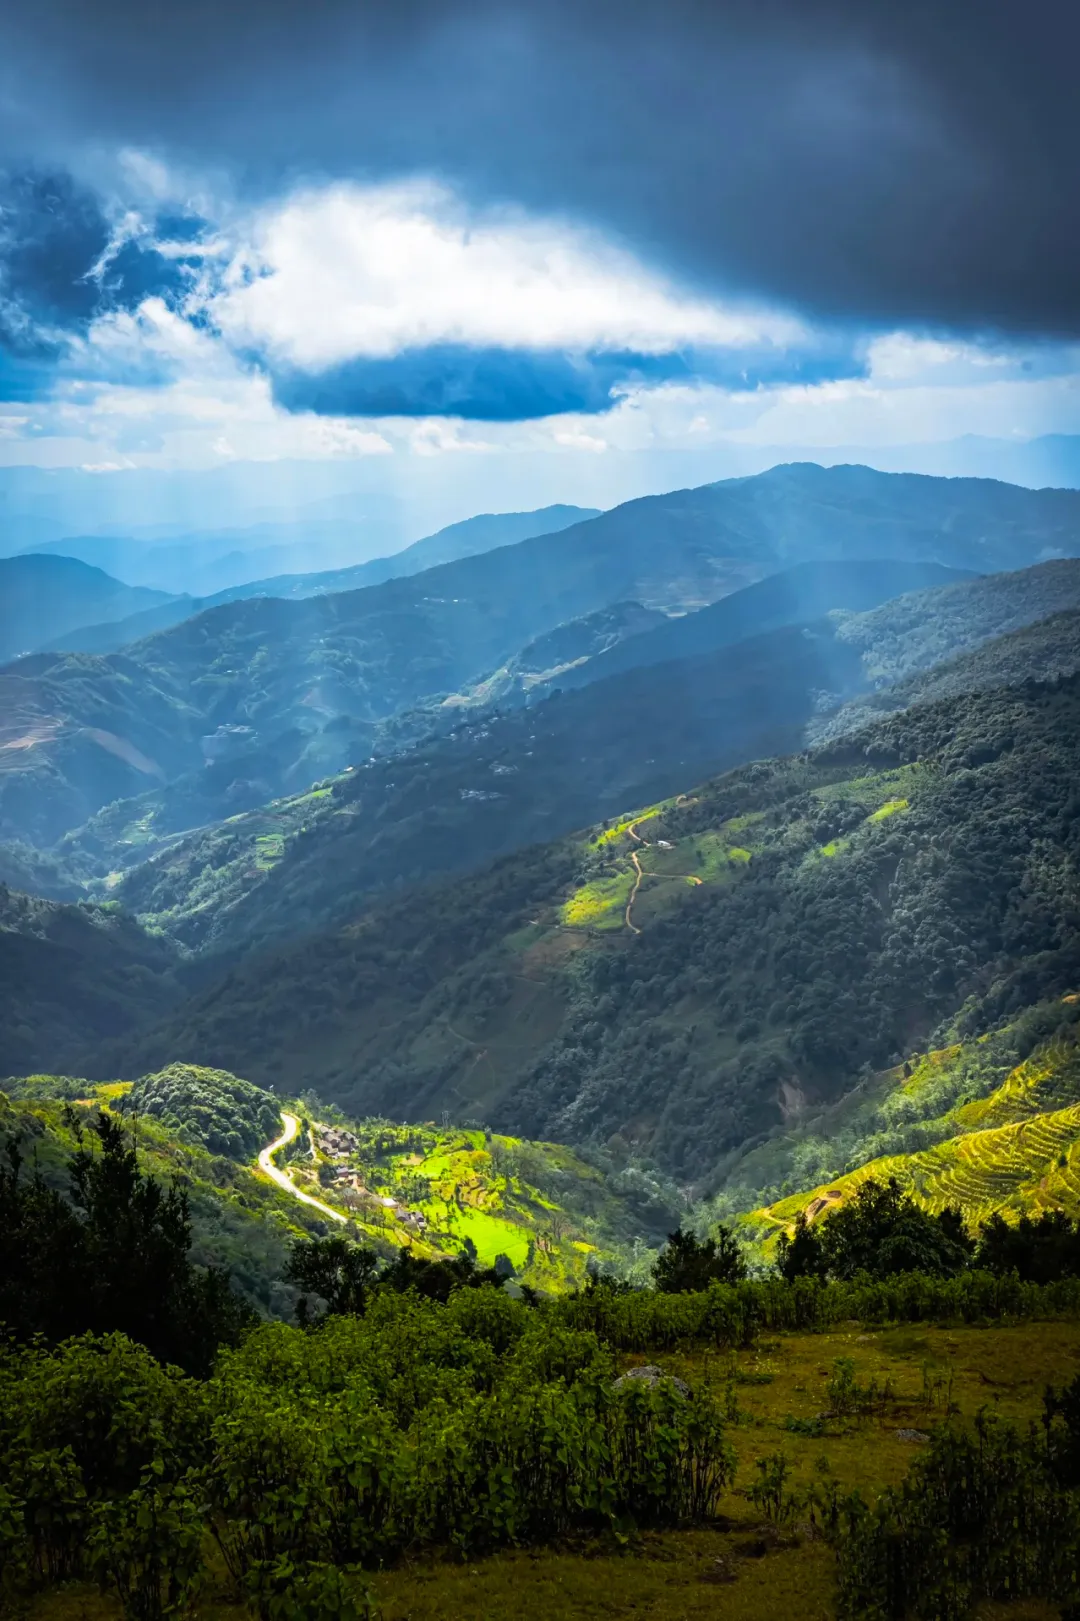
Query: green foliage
{"x": 882, "y": 1231}
{"x": 147, "y": 1546}
{"x": 1039, "y": 1249}
{"x": 985, "y": 1515}
{"x": 437, "y": 1279}
{"x": 114, "y": 1258}
{"x": 847, "y": 1397}
{"x": 800, "y": 1254}
{"x": 462, "y": 1424}
{"x": 770, "y": 1492}
{"x": 335, "y": 1270}
{"x": 226, "y": 1115}
{"x": 730, "y": 1315}
{"x": 689, "y": 1264}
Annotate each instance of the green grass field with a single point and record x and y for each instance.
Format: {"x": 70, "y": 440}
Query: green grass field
{"x": 537, "y": 1204}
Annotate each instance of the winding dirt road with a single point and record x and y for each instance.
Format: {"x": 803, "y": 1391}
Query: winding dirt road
{"x": 636, "y": 836}
{"x": 691, "y": 878}
{"x": 282, "y": 1178}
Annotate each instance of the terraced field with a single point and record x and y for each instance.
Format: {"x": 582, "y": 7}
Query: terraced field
{"x": 1015, "y": 1150}
{"x": 619, "y": 892}
{"x": 536, "y": 1205}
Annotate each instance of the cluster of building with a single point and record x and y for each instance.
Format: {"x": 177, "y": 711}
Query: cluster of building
{"x": 338, "y": 1144}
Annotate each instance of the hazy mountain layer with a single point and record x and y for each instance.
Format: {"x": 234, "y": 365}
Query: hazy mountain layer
{"x": 795, "y": 596}
{"x": 45, "y": 597}
{"x": 297, "y": 686}
{"x": 500, "y": 781}
{"x": 458, "y": 540}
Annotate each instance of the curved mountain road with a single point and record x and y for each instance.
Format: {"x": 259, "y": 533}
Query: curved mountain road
{"x": 628, "y": 916}
{"x": 282, "y": 1178}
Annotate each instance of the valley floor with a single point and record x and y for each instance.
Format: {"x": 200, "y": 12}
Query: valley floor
{"x": 744, "y": 1567}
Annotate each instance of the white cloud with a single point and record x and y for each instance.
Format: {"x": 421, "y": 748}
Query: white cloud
{"x": 345, "y": 271}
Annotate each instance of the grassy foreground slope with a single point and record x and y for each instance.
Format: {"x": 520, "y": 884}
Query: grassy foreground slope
{"x": 848, "y": 904}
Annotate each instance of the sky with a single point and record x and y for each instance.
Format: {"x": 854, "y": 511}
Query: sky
{"x": 466, "y": 255}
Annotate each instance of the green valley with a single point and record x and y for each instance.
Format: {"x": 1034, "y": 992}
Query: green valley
{"x": 542, "y": 1213}
{"x": 850, "y": 902}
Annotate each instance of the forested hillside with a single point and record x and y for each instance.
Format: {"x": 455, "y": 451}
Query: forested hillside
{"x": 488, "y": 787}
{"x": 497, "y": 781}
{"x": 1040, "y": 652}
{"x": 45, "y": 597}
{"x": 291, "y": 691}
{"x": 72, "y": 976}
{"x": 798, "y": 921}
{"x": 793, "y": 596}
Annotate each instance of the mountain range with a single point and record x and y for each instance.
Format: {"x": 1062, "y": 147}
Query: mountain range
{"x": 256, "y": 698}
{"x": 532, "y": 836}
{"x": 197, "y": 564}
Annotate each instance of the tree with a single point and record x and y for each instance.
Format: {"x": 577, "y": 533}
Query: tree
{"x": 688, "y": 1264}
{"x": 337, "y": 1270}
{"x": 437, "y": 1280}
{"x": 882, "y": 1231}
{"x": 1039, "y": 1250}
{"x": 114, "y": 1257}
{"x": 801, "y": 1255}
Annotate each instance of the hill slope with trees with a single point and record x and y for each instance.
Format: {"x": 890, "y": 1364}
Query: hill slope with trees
{"x": 72, "y": 976}
{"x": 797, "y": 922}
{"x": 44, "y": 597}
{"x": 498, "y": 781}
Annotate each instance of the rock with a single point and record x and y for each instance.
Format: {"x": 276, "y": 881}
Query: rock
{"x": 653, "y": 1376}
{"x": 719, "y": 1571}
{"x": 911, "y": 1435}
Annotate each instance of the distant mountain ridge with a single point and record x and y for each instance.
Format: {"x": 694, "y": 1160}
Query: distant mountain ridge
{"x": 192, "y": 566}
{"x": 296, "y": 690}
{"x": 468, "y": 538}
{"x": 43, "y": 597}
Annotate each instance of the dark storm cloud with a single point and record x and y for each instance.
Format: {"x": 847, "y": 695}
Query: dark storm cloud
{"x": 63, "y": 263}
{"x": 515, "y": 385}
{"x": 869, "y": 159}
{"x": 51, "y": 235}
